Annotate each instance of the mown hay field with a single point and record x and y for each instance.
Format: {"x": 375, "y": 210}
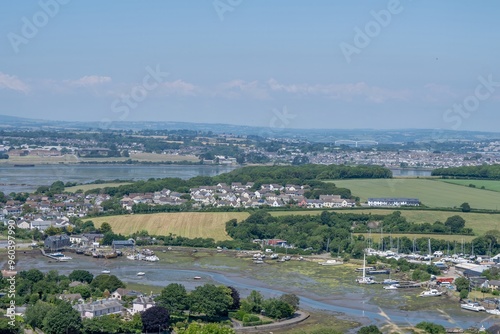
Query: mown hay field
{"x": 432, "y": 193}
{"x": 186, "y": 224}
{"x": 479, "y": 222}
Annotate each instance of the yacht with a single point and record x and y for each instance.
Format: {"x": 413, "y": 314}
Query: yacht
{"x": 472, "y": 306}
{"x": 365, "y": 279}
{"x": 431, "y": 293}
{"x": 152, "y": 258}
{"x": 105, "y": 272}
{"x": 131, "y": 257}
{"x": 391, "y": 287}
{"x": 390, "y": 281}
{"x": 330, "y": 263}
{"x": 60, "y": 257}
{"x": 494, "y": 311}
{"x": 140, "y": 273}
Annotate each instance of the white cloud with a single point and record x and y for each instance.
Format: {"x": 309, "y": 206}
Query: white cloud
{"x": 238, "y": 88}
{"x": 344, "y": 91}
{"x": 13, "y": 83}
{"x": 89, "y": 80}
{"x": 178, "y": 87}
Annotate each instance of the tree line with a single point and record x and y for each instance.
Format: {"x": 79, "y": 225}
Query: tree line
{"x": 477, "y": 172}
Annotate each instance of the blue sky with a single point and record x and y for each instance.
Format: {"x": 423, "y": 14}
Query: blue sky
{"x": 321, "y": 64}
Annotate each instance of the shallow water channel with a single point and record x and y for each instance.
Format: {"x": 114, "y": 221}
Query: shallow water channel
{"x": 325, "y": 288}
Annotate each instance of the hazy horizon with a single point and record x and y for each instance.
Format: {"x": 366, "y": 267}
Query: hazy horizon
{"x": 286, "y": 64}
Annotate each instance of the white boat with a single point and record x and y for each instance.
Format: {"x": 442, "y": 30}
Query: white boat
{"x": 274, "y": 256}
{"x": 390, "y": 281}
{"x": 197, "y": 277}
{"x": 152, "y": 258}
{"x": 391, "y": 287}
{"x": 131, "y": 257}
{"x": 471, "y": 306}
{"x": 431, "y": 293}
{"x": 365, "y": 279}
{"x": 140, "y": 273}
{"x": 331, "y": 263}
{"x": 105, "y": 272}
{"x": 60, "y": 257}
{"x": 494, "y": 311}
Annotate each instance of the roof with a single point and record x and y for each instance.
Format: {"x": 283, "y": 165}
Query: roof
{"x": 57, "y": 237}
{"x": 123, "y": 242}
{"x": 393, "y": 199}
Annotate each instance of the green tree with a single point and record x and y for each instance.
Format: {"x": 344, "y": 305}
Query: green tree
{"x": 253, "y": 302}
{"x": 210, "y": 300}
{"x": 81, "y": 275}
{"x": 196, "y": 328}
{"x": 33, "y": 275}
{"x": 277, "y": 309}
{"x": 107, "y": 282}
{"x": 36, "y": 313}
{"x": 173, "y": 297}
{"x": 6, "y": 328}
{"x": 62, "y": 319}
{"x": 465, "y": 207}
{"x": 105, "y": 228}
{"x": 372, "y": 329}
{"x": 429, "y": 327}
{"x": 155, "y": 318}
{"x": 291, "y": 299}
{"x": 455, "y": 223}
{"x": 102, "y": 325}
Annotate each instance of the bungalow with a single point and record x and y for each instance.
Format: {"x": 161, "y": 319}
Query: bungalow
{"x": 99, "y": 308}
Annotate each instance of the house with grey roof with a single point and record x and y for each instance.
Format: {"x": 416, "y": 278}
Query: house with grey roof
{"x": 99, "y": 308}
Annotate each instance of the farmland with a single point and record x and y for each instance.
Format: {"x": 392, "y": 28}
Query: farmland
{"x": 186, "y": 224}
{"x": 432, "y": 193}
{"x": 493, "y": 185}
{"x": 479, "y": 222}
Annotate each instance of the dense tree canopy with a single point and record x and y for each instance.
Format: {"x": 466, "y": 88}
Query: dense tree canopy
{"x": 211, "y": 300}
{"x": 155, "y": 318}
{"x": 81, "y": 276}
{"x": 62, "y": 319}
{"x": 173, "y": 297}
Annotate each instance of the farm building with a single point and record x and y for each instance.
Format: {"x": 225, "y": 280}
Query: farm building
{"x": 57, "y": 242}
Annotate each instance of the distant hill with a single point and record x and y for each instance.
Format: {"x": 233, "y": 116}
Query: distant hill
{"x": 313, "y": 135}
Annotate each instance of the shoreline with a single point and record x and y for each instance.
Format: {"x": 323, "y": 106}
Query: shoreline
{"x": 355, "y": 303}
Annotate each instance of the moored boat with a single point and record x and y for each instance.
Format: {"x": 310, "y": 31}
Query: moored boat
{"x": 140, "y": 273}
{"x": 472, "y": 306}
{"x": 431, "y": 293}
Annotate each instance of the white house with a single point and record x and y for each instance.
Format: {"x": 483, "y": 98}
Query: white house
{"x": 99, "y": 308}
{"x": 141, "y": 304}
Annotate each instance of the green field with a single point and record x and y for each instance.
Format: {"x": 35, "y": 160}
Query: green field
{"x": 432, "y": 193}
{"x": 85, "y": 187}
{"x": 493, "y": 185}
{"x": 479, "y": 222}
{"x": 186, "y": 224}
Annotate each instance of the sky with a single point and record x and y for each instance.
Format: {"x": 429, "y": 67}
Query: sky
{"x": 286, "y": 63}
